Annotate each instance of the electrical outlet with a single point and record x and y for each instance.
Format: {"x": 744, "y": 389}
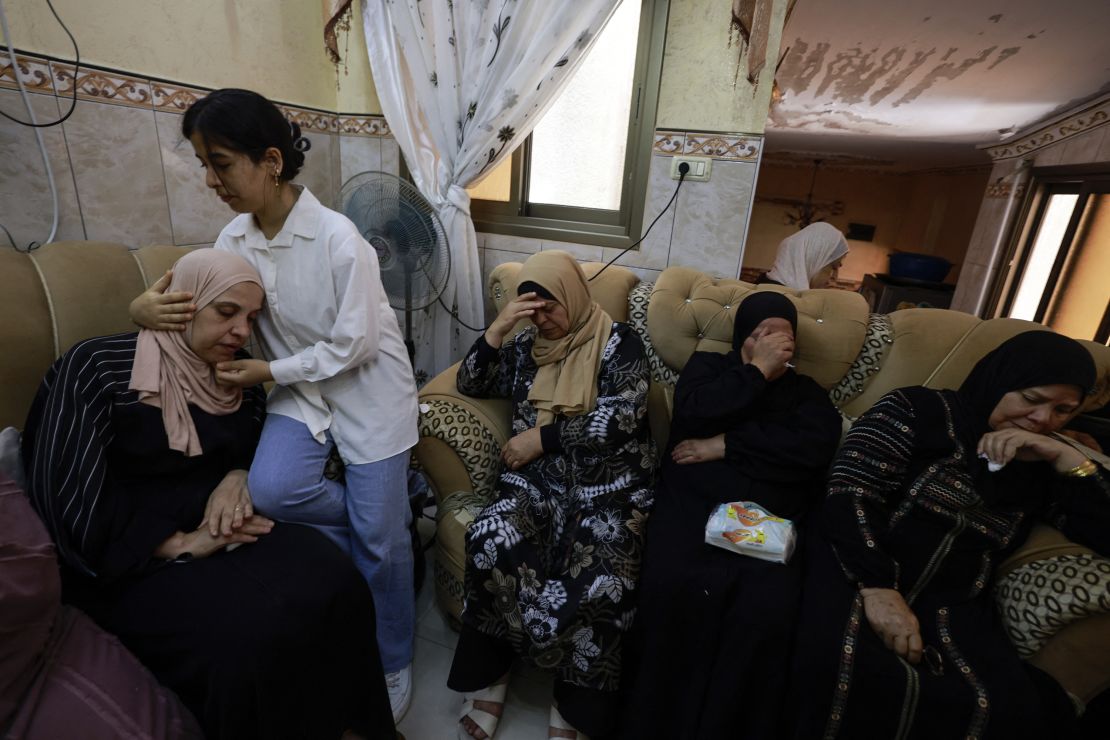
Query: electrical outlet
{"x": 700, "y": 167}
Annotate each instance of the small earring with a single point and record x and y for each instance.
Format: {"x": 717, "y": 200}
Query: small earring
{"x": 277, "y": 181}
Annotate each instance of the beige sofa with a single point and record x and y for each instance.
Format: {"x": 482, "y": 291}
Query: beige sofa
{"x": 857, "y": 356}
{"x": 58, "y": 295}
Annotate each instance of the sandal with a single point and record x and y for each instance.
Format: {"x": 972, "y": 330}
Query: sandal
{"x": 484, "y": 708}
{"x": 557, "y": 727}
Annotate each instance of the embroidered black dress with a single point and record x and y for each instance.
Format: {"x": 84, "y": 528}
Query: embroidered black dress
{"x": 274, "y": 639}
{"x": 714, "y": 628}
{"x": 553, "y": 563}
{"x": 910, "y": 507}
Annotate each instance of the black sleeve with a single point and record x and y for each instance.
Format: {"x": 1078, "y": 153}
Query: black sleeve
{"x": 868, "y": 471}
{"x": 66, "y": 444}
{"x": 1081, "y": 510}
{"x": 788, "y": 447}
{"x": 712, "y": 390}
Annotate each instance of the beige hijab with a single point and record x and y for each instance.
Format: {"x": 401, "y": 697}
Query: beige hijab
{"x": 566, "y": 381}
{"x": 167, "y": 373}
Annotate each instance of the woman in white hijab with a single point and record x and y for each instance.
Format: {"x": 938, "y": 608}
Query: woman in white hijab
{"x": 808, "y": 259}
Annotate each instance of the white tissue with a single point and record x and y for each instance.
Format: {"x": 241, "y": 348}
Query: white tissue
{"x": 991, "y": 464}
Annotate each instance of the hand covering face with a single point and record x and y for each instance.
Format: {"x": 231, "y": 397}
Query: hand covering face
{"x": 757, "y": 308}
{"x": 167, "y": 373}
{"x": 803, "y": 255}
{"x": 566, "y": 378}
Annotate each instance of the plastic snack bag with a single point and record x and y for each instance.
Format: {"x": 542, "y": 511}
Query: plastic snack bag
{"x": 748, "y": 529}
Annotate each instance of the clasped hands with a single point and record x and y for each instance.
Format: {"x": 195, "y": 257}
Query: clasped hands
{"x": 229, "y": 519}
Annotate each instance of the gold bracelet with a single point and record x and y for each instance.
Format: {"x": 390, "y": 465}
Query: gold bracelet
{"x": 1082, "y": 470}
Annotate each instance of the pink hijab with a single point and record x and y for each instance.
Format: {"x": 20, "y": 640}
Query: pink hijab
{"x": 167, "y": 373}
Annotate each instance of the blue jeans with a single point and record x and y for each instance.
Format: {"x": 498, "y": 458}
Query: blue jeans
{"x": 368, "y": 518}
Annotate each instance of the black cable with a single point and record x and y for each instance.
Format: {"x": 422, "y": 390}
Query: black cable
{"x": 683, "y": 168}
{"x": 76, "y": 68}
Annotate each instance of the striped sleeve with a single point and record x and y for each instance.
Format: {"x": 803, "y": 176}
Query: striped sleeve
{"x": 66, "y": 441}
{"x": 867, "y": 472}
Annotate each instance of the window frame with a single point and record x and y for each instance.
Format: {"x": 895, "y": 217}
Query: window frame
{"x": 594, "y": 226}
{"x": 1082, "y": 180}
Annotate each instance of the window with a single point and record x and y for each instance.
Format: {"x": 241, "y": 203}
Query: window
{"x": 1058, "y": 273}
{"x": 581, "y": 176}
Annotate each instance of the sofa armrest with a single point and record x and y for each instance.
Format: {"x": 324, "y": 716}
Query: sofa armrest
{"x": 460, "y": 438}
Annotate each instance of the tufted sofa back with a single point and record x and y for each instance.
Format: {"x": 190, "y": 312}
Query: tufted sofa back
{"x": 856, "y": 355}
{"x": 58, "y": 295}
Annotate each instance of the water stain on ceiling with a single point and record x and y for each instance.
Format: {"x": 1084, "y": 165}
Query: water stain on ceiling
{"x": 901, "y": 75}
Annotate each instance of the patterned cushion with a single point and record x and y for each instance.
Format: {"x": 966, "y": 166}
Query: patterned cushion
{"x": 471, "y": 440}
{"x": 1042, "y": 597}
{"x": 876, "y": 343}
{"x": 638, "y": 301}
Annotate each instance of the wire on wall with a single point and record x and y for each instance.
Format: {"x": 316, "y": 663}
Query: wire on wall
{"x": 34, "y": 124}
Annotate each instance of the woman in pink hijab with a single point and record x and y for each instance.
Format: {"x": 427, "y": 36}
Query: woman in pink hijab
{"x": 136, "y": 461}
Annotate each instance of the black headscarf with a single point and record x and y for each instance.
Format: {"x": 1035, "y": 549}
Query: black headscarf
{"x": 1029, "y": 359}
{"x": 755, "y": 309}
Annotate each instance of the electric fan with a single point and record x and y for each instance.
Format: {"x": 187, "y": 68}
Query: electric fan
{"x": 407, "y": 236}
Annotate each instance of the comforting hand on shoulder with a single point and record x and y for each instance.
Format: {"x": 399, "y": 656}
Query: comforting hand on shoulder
{"x": 157, "y": 309}
{"x": 893, "y": 621}
{"x": 522, "y": 449}
{"x": 243, "y": 373}
{"x": 699, "y": 450}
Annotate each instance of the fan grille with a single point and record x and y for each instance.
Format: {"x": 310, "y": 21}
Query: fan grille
{"x": 406, "y": 234}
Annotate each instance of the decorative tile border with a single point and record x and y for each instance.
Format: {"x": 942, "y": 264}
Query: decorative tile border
{"x": 173, "y": 98}
{"x": 121, "y": 88}
{"x": 732, "y": 147}
{"x": 1077, "y": 123}
{"x": 362, "y": 125}
{"x": 34, "y": 73}
{"x": 95, "y": 84}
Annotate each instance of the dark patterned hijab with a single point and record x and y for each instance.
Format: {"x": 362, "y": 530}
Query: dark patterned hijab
{"x": 1027, "y": 360}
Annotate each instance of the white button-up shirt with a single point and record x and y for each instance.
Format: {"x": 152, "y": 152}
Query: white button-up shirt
{"x": 333, "y": 343}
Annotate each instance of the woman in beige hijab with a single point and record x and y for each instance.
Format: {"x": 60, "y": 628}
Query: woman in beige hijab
{"x": 552, "y": 563}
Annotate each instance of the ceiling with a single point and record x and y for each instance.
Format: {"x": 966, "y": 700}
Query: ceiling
{"x": 919, "y": 83}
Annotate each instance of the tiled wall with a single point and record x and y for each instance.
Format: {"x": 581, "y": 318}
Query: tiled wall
{"x": 703, "y": 229}
{"x": 1079, "y": 138}
{"x": 123, "y": 172}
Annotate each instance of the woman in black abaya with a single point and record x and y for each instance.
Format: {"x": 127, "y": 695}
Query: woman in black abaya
{"x": 715, "y": 626}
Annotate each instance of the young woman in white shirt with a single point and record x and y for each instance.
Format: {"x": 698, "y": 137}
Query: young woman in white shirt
{"x": 333, "y": 349}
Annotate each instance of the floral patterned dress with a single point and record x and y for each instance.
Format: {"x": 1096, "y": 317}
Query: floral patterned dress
{"x": 553, "y": 562}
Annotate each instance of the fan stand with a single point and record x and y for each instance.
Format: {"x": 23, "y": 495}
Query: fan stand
{"x": 409, "y": 345}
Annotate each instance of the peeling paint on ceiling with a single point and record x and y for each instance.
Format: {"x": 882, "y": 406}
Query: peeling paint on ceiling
{"x": 898, "y": 76}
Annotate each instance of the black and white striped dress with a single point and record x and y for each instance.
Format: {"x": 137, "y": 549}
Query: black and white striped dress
{"x": 273, "y": 639}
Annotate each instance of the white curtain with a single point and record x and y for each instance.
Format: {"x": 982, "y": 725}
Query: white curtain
{"x": 461, "y": 83}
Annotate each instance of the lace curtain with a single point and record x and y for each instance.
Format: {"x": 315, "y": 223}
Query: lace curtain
{"x": 461, "y": 84}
